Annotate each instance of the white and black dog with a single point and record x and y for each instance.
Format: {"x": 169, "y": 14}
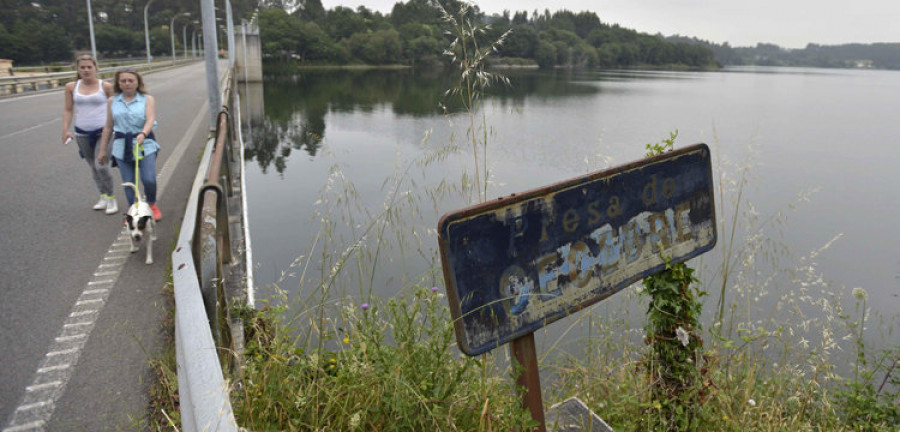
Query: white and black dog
{"x": 140, "y": 224}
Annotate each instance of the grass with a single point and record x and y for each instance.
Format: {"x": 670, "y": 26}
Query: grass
{"x": 392, "y": 368}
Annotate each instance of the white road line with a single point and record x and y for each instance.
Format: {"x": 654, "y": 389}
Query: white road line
{"x": 82, "y": 313}
{"x": 21, "y": 131}
{"x": 78, "y": 324}
{"x": 27, "y": 420}
{"x": 107, "y": 281}
{"x": 63, "y": 352}
{"x": 95, "y": 291}
{"x": 73, "y": 337}
{"x": 39, "y": 387}
{"x": 84, "y": 302}
{"x": 54, "y": 368}
{"x": 40, "y": 404}
{"x": 35, "y": 425}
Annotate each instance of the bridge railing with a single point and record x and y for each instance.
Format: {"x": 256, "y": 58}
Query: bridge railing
{"x": 66, "y": 67}
{"x": 39, "y": 81}
{"x": 209, "y": 273}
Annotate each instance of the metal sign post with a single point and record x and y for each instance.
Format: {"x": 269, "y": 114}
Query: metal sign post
{"x": 530, "y": 379}
{"x": 516, "y": 264}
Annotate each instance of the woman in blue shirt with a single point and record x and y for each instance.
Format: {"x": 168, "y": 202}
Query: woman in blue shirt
{"x": 130, "y": 118}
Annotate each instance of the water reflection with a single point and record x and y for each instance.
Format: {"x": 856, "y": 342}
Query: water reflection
{"x": 298, "y": 101}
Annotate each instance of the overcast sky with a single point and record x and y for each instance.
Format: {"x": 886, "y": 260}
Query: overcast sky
{"x": 788, "y": 23}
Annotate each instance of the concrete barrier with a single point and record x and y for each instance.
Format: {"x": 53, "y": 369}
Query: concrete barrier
{"x": 248, "y": 53}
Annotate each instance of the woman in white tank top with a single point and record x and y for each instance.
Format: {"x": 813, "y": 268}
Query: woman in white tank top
{"x": 86, "y": 101}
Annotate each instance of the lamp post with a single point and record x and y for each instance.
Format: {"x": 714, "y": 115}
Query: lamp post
{"x": 91, "y": 27}
{"x": 184, "y": 40}
{"x": 147, "y": 31}
{"x": 230, "y": 33}
{"x": 194, "y": 39}
{"x": 210, "y": 53}
{"x": 172, "y": 32}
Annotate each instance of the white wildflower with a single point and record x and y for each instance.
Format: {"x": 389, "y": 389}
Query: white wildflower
{"x": 752, "y": 402}
{"x": 300, "y": 401}
{"x": 682, "y": 336}
{"x": 354, "y": 420}
{"x": 859, "y": 293}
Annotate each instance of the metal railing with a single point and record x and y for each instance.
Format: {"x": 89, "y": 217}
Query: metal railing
{"x": 208, "y": 275}
{"x": 23, "y": 83}
{"x": 67, "y": 66}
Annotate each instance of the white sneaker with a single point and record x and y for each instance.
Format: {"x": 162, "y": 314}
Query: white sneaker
{"x": 102, "y": 204}
{"x": 112, "y": 207}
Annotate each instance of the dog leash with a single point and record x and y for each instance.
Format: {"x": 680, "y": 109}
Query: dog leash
{"x": 136, "y": 154}
{"x": 137, "y": 158}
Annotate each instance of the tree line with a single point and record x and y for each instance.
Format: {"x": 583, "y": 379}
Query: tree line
{"x": 413, "y": 33}
{"x": 46, "y": 31}
{"x": 854, "y": 55}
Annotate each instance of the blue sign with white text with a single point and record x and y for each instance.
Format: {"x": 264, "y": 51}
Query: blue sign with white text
{"x": 516, "y": 264}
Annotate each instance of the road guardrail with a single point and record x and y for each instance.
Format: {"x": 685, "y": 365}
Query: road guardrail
{"x": 209, "y": 272}
{"x": 18, "y": 84}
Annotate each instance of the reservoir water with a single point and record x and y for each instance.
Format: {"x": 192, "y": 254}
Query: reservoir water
{"x": 808, "y": 159}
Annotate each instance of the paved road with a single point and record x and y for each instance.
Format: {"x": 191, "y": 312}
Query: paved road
{"x": 84, "y": 366}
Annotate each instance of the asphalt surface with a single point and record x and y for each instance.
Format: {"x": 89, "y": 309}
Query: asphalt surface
{"x": 53, "y": 243}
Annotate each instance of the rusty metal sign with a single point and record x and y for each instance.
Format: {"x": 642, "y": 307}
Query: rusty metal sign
{"x": 518, "y": 263}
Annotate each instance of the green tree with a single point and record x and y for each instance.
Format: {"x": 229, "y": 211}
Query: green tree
{"x": 585, "y": 56}
{"x": 520, "y": 18}
{"x": 13, "y": 46}
{"x": 414, "y": 11}
{"x": 160, "y": 44}
{"x": 342, "y": 22}
{"x": 563, "y": 53}
{"x": 54, "y": 44}
{"x": 310, "y": 10}
{"x": 421, "y": 42}
{"x": 113, "y": 41}
{"x": 545, "y": 55}
{"x": 521, "y": 42}
{"x": 279, "y": 32}
{"x": 374, "y": 20}
{"x": 563, "y": 20}
{"x": 315, "y": 44}
{"x": 608, "y": 55}
{"x": 585, "y": 23}
{"x": 383, "y": 47}
{"x": 34, "y": 41}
